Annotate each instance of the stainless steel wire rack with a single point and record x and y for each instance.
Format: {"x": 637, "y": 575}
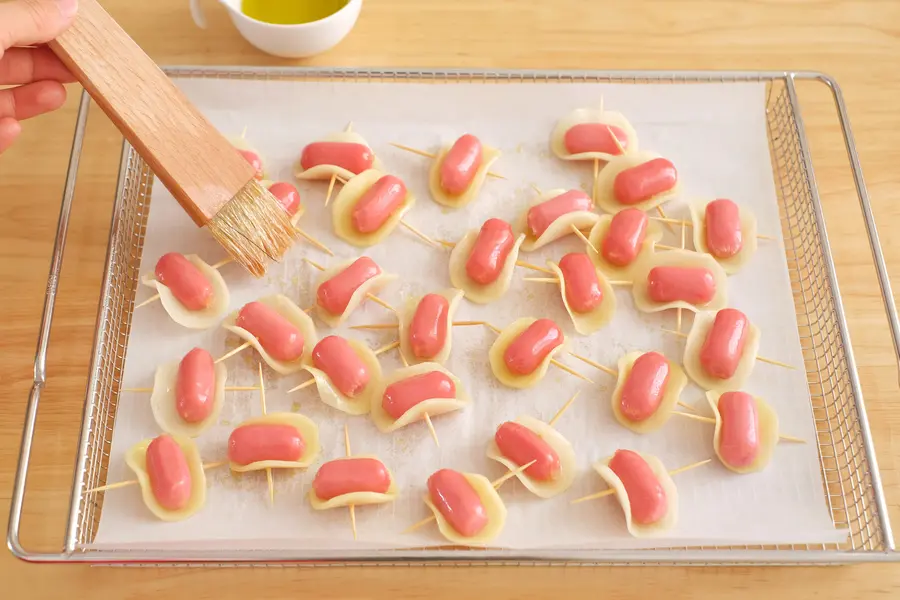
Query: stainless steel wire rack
{"x": 849, "y": 470}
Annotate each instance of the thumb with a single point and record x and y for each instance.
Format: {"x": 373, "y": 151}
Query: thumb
{"x": 28, "y": 22}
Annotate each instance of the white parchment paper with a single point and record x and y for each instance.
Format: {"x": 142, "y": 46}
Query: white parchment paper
{"x": 716, "y": 136}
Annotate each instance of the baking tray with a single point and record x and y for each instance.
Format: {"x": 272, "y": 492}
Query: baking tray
{"x": 849, "y": 469}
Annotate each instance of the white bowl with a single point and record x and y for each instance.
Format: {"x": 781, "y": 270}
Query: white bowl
{"x": 288, "y": 41}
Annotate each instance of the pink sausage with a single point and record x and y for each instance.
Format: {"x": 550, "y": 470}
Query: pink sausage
{"x": 428, "y": 327}
{"x": 402, "y": 395}
{"x": 342, "y": 364}
{"x": 351, "y": 156}
{"x": 255, "y": 162}
{"x": 541, "y": 216}
{"x": 645, "y": 387}
{"x": 694, "y": 285}
{"x": 169, "y": 473}
{"x": 457, "y": 501}
{"x": 724, "y": 237}
{"x": 334, "y": 295}
{"x": 626, "y": 233}
{"x": 583, "y": 291}
{"x": 276, "y": 335}
{"x": 460, "y": 164}
{"x": 595, "y": 137}
{"x": 739, "y": 436}
{"x": 489, "y": 253}
{"x": 265, "y": 441}
{"x": 346, "y": 476}
{"x": 645, "y": 493}
{"x": 195, "y": 386}
{"x": 529, "y": 350}
{"x": 184, "y": 280}
{"x": 724, "y": 344}
{"x": 644, "y": 181}
{"x": 287, "y": 195}
{"x": 521, "y": 445}
{"x": 377, "y": 205}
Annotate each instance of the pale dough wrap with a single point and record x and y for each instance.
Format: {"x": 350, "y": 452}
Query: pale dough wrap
{"x": 703, "y": 322}
{"x": 674, "y": 386}
{"x": 290, "y": 311}
{"x": 604, "y": 189}
{"x": 194, "y": 319}
{"x": 498, "y": 349}
{"x": 162, "y": 401}
{"x": 488, "y": 156}
{"x": 561, "y": 227}
{"x": 475, "y": 292}
{"x": 678, "y": 258}
{"x": 241, "y": 143}
{"x": 735, "y": 263}
{"x": 355, "y": 498}
{"x": 308, "y": 431}
{"x": 295, "y": 218}
{"x": 331, "y": 396}
{"x": 567, "y": 463}
{"x": 345, "y": 202}
{"x": 136, "y": 459}
{"x": 591, "y": 115}
{"x": 637, "y": 530}
{"x": 768, "y": 434}
{"x": 595, "y": 319}
{"x": 454, "y": 297}
{"x": 598, "y": 234}
{"x": 432, "y": 406}
{"x": 326, "y": 171}
{"x": 493, "y": 506}
{"x": 370, "y": 286}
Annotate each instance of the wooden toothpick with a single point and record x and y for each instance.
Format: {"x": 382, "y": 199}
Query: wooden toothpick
{"x": 371, "y": 297}
{"x": 397, "y": 325}
{"x": 349, "y": 454}
{"x": 678, "y": 314}
{"x": 334, "y": 176}
{"x": 711, "y": 421}
{"x": 314, "y": 241}
{"x": 595, "y": 177}
{"x": 584, "y": 239}
{"x": 434, "y": 434}
{"x": 386, "y": 348}
{"x": 227, "y": 355}
{"x": 771, "y": 361}
{"x": 230, "y": 388}
{"x": 612, "y": 491}
{"x": 262, "y": 403}
{"x": 421, "y": 235}
{"x": 664, "y": 219}
{"x": 433, "y": 156}
{"x": 130, "y": 482}
{"x": 564, "y": 408}
{"x": 303, "y": 385}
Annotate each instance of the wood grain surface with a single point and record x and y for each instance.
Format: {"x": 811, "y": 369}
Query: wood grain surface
{"x": 856, "y": 41}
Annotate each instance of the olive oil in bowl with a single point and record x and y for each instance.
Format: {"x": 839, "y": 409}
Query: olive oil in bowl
{"x": 290, "y": 12}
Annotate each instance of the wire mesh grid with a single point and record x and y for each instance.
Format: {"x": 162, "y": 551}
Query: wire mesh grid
{"x": 844, "y": 464}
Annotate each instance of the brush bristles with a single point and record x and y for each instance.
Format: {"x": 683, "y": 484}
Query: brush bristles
{"x": 253, "y": 228}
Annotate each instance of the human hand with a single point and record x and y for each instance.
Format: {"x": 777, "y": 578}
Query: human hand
{"x": 36, "y": 74}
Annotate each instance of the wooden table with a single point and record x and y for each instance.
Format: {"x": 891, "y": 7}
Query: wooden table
{"x": 859, "y": 44}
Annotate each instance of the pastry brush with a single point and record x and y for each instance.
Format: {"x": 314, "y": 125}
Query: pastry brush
{"x": 214, "y": 184}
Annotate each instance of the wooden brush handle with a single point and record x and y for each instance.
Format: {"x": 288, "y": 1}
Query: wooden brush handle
{"x": 193, "y": 160}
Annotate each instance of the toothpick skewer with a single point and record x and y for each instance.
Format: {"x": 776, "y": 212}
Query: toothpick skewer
{"x": 553, "y": 361}
{"x": 130, "y": 482}
{"x": 612, "y": 491}
{"x": 349, "y": 454}
{"x": 371, "y": 297}
{"x": 614, "y": 373}
{"x": 712, "y": 421}
{"x": 314, "y": 241}
{"x": 495, "y": 484}
{"x": 262, "y": 402}
{"x": 425, "y": 416}
{"x": 396, "y": 325}
{"x": 421, "y": 235}
{"x": 155, "y": 297}
{"x": 387, "y": 348}
{"x": 227, "y": 355}
{"x": 433, "y": 156}
{"x": 519, "y": 263}
{"x": 555, "y": 280}
{"x": 678, "y": 317}
{"x": 584, "y": 238}
{"x": 664, "y": 219}
{"x": 771, "y": 361}
{"x": 596, "y": 176}
{"x": 564, "y": 408}
{"x": 334, "y": 176}
{"x": 231, "y": 388}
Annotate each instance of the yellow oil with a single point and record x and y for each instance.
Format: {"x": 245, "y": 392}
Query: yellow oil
{"x": 290, "y": 12}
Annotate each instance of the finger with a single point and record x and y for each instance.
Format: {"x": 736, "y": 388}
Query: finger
{"x": 24, "y": 65}
{"x": 9, "y": 131}
{"x": 27, "y": 22}
{"x": 31, "y": 99}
